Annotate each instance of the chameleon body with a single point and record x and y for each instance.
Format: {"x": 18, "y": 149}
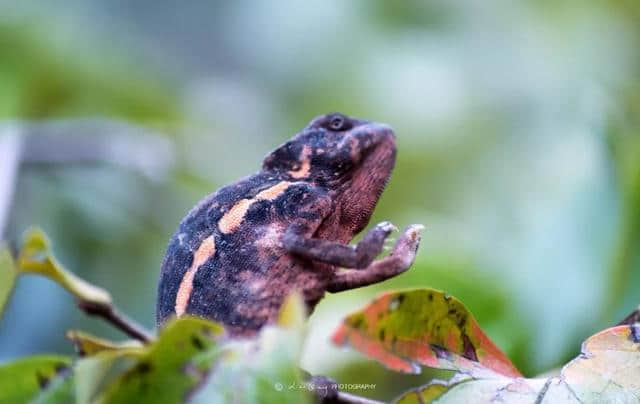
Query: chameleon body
{"x": 241, "y": 250}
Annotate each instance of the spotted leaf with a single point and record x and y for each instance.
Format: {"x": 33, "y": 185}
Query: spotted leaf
{"x": 263, "y": 369}
{"x": 24, "y": 380}
{"x": 607, "y": 371}
{"x": 403, "y": 330}
{"x": 164, "y": 372}
{"x": 427, "y": 393}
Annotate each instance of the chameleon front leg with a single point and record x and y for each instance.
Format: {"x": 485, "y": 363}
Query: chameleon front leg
{"x": 359, "y": 256}
{"x": 397, "y": 262}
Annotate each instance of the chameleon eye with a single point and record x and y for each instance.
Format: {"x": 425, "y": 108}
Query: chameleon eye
{"x": 338, "y": 123}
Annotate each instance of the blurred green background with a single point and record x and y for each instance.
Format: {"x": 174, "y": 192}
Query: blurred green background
{"x": 518, "y": 129}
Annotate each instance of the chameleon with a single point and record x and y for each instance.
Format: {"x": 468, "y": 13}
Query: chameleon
{"x": 243, "y": 249}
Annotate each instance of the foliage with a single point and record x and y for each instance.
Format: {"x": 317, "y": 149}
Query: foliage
{"x": 423, "y": 327}
{"x": 517, "y": 128}
{"x": 8, "y": 275}
{"x": 177, "y": 365}
{"x": 263, "y": 369}
{"x": 427, "y": 327}
{"x": 193, "y": 359}
{"x": 509, "y": 146}
{"x": 35, "y": 257}
{"x": 44, "y": 80}
{"x": 24, "y": 379}
{"x": 606, "y": 371}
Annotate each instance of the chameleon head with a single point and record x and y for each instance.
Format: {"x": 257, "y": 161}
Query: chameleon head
{"x": 349, "y": 157}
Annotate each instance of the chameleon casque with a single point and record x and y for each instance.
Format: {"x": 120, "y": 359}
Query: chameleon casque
{"x": 243, "y": 249}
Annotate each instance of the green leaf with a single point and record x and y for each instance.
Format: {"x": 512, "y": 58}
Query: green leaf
{"x": 608, "y": 368}
{"x": 607, "y": 371}
{"x": 87, "y": 344}
{"x": 22, "y": 380}
{"x": 36, "y": 257}
{"x": 59, "y": 391}
{"x": 501, "y": 389}
{"x": 95, "y": 373}
{"x": 104, "y": 361}
{"x": 8, "y": 274}
{"x": 164, "y": 372}
{"x": 263, "y": 369}
{"x": 428, "y": 393}
{"x": 403, "y": 330}
{"x": 293, "y": 312}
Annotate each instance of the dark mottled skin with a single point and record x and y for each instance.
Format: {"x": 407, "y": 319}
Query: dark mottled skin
{"x": 337, "y": 167}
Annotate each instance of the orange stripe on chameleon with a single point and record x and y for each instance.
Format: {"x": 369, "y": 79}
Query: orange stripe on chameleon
{"x": 273, "y": 192}
{"x": 305, "y": 165}
{"x": 235, "y": 216}
{"x": 206, "y": 250}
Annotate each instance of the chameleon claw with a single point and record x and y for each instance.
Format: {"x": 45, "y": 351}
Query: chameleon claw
{"x": 387, "y": 227}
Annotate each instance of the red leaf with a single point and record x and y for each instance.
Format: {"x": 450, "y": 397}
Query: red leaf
{"x": 403, "y": 330}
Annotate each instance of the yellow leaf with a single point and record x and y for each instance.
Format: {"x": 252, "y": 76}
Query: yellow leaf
{"x": 8, "y": 274}
{"x": 87, "y": 344}
{"x": 36, "y": 257}
{"x": 293, "y": 312}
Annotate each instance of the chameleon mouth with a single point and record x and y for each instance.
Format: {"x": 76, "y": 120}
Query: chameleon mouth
{"x": 377, "y": 143}
{"x": 369, "y": 179}
{"x": 378, "y": 162}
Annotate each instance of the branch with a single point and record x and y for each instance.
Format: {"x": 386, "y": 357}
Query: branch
{"x": 66, "y": 142}
{"x": 11, "y": 151}
{"x": 346, "y": 398}
{"x": 108, "y": 312}
{"x": 325, "y": 390}
{"x": 36, "y": 257}
{"x": 632, "y": 318}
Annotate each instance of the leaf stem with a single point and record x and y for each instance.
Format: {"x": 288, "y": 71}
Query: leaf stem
{"x": 108, "y": 312}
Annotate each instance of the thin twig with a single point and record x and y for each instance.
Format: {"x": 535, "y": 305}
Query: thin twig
{"x": 11, "y": 152}
{"x": 326, "y": 391}
{"x": 65, "y": 142}
{"x": 347, "y": 398}
{"x": 118, "y": 319}
{"x": 632, "y": 318}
